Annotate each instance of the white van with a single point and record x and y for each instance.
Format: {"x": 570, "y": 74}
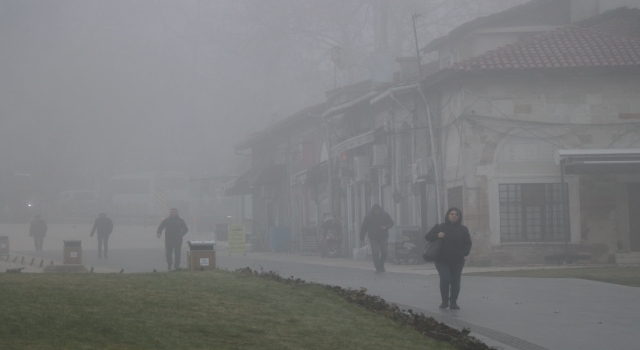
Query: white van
{"x": 148, "y": 194}
{"x": 77, "y": 203}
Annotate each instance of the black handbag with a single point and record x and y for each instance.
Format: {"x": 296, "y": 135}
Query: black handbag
{"x": 432, "y": 252}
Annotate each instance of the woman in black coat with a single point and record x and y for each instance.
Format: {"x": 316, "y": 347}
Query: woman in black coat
{"x": 455, "y": 245}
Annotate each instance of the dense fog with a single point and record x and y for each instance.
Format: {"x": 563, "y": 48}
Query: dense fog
{"x": 312, "y": 142}
{"x": 94, "y": 89}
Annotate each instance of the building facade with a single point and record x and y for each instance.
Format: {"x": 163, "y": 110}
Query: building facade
{"x": 496, "y": 126}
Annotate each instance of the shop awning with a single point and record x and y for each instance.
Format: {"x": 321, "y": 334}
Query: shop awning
{"x": 314, "y": 175}
{"x": 318, "y": 173}
{"x": 599, "y": 161}
{"x": 260, "y": 176}
{"x": 299, "y": 178}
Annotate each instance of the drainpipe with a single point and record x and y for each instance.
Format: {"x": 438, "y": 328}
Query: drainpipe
{"x": 330, "y": 167}
{"x": 433, "y": 155}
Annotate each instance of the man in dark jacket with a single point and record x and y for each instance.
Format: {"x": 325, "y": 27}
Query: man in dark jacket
{"x": 103, "y": 225}
{"x": 175, "y": 228}
{"x": 38, "y": 230}
{"x": 377, "y": 224}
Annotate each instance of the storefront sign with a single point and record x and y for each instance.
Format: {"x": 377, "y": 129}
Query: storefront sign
{"x": 237, "y": 239}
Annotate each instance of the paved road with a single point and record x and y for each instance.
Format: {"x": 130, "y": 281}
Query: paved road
{"x": 513, "y": 313}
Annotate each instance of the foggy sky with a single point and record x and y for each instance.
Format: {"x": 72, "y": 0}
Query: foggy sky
{"x": 102, "y": 87}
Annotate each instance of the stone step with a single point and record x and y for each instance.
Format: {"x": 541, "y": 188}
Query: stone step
{"x": 628, "y": 258}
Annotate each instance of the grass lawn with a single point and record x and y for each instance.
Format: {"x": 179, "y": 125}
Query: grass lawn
{"x": 187, "y": 310}
{"x": 627, "y": 275}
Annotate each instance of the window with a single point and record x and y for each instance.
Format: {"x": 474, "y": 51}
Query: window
{"x": 405, "y": 156}
{"x": 532, "y": 212}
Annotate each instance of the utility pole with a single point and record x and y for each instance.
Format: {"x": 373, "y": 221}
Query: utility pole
{"x": 382, "y": 65}
{"x": 415, "y": 35}
{"x": 381, "y": 40}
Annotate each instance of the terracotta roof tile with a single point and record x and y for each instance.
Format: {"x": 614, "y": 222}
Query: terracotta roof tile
{"x": 613, "y": 41}
{"x": 532, "y": 13}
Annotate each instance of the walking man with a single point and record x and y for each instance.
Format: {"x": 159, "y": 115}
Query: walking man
{"x": 175, "y": 228}
{"x": 38, "y": 230}
{"x": 377, "y": 224}
{"x": 103, "y": 225}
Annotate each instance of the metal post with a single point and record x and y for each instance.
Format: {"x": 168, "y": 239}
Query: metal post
{"x": 242, "y": 208}
{"x": 330, "y": 184}
{"x": 350, "y": 221}
{"x": 434, "y": 156}
{"x": 565, "y": 215}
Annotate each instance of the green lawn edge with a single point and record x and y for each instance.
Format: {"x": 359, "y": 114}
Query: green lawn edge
{"x": 188, "y": 310}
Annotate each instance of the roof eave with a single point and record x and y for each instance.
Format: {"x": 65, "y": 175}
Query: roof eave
{"x": 335, "y": 110}
{"x": 394, "y": 89}
{"x": 304, "y": 113}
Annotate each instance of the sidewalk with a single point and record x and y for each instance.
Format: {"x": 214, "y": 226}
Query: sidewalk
{"x": 123, "y": 237}
{"x": 5, "y": 265}
{"x": 518, "y": 312}
{"x": 27, "y": 268}
{"x": 419, "y": 269}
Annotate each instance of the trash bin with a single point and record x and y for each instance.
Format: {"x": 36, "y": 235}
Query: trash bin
{"x": 72, "y": 253}
{"x": 201, "y": 255}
